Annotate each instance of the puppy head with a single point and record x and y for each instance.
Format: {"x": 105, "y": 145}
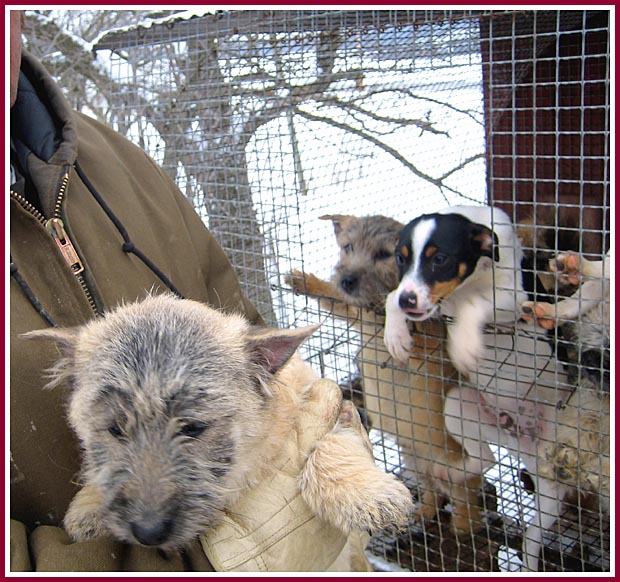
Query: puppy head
{"x": 169, "y": 399}
{"x": 366, "y": 271}
{"x": 435, "y": 254}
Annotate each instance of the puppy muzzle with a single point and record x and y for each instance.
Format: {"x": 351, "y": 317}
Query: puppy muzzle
{"x": 152, "y": 530}
{"x": 408, "y": 302}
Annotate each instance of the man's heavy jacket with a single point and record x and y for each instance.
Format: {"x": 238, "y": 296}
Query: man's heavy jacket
{"x": 94, "y": 222}
{"x": 103, "y": 206}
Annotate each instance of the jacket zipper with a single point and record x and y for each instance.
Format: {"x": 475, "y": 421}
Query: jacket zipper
{"x": 56, "y": 228}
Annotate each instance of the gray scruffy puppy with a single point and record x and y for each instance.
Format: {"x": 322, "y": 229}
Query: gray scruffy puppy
{"x": 181, "y": 408}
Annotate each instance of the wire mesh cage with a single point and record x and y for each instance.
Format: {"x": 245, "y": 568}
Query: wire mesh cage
{"x": 308, "y": 139}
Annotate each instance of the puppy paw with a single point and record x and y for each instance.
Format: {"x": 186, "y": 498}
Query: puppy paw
{"x": 83, "y": 518}
{"x": 465, "y": 348}
{"x": 567, "y": 266}
{"x": 398, "y": 342}
{"x": 396, "y": 334}
{"x": 308, "y": 284}
{"x": 342, "y": 485}
{"x": 543, "y": 314}
{"x": 296, "y": 280}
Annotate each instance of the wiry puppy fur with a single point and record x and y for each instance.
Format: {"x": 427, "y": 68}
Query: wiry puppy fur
{"x": 579, "y": 455}
{"x": 366, "y": 271}
{"x": 575, "y": 457}
{"x": 180, "y": 409}
{"x": 406, "y": 403}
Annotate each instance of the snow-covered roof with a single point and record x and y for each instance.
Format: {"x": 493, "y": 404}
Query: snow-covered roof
{"x": 166, "y": 22}
{"x": 221, "y": 22}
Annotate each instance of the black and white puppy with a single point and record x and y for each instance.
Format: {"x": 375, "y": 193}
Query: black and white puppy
{"x": 462, "y": 262}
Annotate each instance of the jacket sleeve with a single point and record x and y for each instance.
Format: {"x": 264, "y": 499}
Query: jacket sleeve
{"x": 49, "y": 549}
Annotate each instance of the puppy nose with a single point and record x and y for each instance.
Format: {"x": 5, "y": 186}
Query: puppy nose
{"x": 408, "y": 300}
{"x": 151, "y": 532}
{"x": 349, "y": 283}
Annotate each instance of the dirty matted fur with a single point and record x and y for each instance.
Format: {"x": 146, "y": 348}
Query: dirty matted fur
{"x": 406, "y": 402}
{"x": 577, "y": 457}
{"x": 181, "y": 408}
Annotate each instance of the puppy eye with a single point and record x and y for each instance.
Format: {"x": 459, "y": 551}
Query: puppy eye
{"x": 193, "y": 429}
{"x": 348, "y": 248}
{"x": 439, "y": 259}
{"x": 400, "y": 260}
{"x": 115, "y": 431}
{"x": 383, "y": 254}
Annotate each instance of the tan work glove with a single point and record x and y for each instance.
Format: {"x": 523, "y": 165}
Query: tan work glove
{"x": 311, "y": 512}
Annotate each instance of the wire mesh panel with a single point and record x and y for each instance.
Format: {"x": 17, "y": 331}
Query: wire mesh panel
{"x": 308, "y": 139}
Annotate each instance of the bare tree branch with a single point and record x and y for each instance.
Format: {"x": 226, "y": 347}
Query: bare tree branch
{"x": 398, "y": 121}
{"x": 220, "y": 89}
{"x": 474, "y": 115}
{"x": 460, "y": 166}
{"x": 380, "y": 144}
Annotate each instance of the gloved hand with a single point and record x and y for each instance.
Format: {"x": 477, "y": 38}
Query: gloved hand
{"x": 312, "y": 511}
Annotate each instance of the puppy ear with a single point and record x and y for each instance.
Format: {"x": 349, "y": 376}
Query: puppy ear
{"x": 339, "y": 221}
{"x": 485, "y": 241}
{"x": 66, "y": 339}
{"x": 271, "y": 349}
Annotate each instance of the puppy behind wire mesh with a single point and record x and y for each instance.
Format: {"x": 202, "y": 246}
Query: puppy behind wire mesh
{"x": 405, "y": 402}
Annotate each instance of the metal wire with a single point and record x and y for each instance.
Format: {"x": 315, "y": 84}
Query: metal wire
{"x": 269, "y": 120}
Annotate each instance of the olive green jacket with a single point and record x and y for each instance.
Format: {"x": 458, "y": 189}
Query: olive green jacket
{"x": 120, "y": 202}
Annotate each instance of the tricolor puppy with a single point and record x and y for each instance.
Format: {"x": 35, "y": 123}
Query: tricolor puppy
{"x": 462, "y": 262}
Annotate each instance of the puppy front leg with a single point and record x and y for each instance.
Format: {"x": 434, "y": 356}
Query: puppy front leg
{"x": 309, "y": 284}
{"x": 341, "y": 483}
{"x": 396, "y": 335}
{"x": 572, "y": 268}
{"x": 465, "y": 342}
{"x": 83, "y": 518}
{"x": 328, "y": 296}
{"x": 549, "y": 495}
{"x": 590, "y": 294}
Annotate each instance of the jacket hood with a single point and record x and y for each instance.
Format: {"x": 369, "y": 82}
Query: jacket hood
{"x": 43, "y": 130}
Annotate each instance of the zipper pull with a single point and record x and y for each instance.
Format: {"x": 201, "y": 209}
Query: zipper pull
{"x": 57, "y": 229}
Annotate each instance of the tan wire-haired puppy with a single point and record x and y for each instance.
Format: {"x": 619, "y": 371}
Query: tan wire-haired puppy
{"x": 181, "y": 409}
{"x": 404, "y": 402}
